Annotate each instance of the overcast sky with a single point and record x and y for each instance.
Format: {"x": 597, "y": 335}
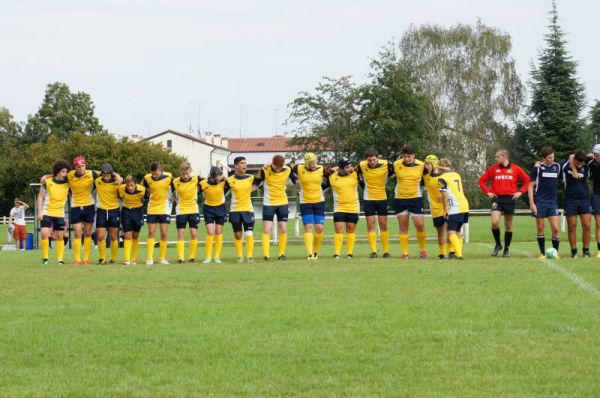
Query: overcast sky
{"x": 144, "y": 61}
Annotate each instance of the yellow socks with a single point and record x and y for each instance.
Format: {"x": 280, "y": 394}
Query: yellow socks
{"x": 218, "y": 245}
{"x": 102, "y": 249}
{"x": 266, "y": 241}
{"x": 193, "y": 248}
{"x": 318, "y": 240}
{"x": 372, "y": 236}
{"x": 135, "y": 244}
{"x": 114, "y": 249}
{"x": 237, "y": 245}
{"x": 150, "y": 248}
{"x": 455, "y": 241}
{"x": 404, "y": 244}
{"x": 282, "y": 244}
{"x": 350, "y": 238}
{"x": 443, "y": 251}
{"x": 180, "y": 250}
{"x": 422, "y": 239}
{"x": 308, "y": 242}
{"x": 45, "y": 245}
{"x": 127, "y": 250}
{"x": 87, "y": 248}
{"x": 163, "y": 249}
{"x": 337, "y": 243}
{"x": 249, "y": 245}
{"x": 60, "y": 249}
{"x": 209, "y": 245}
{"x": 77, "y": 249}
{"x": 385, "y": 241}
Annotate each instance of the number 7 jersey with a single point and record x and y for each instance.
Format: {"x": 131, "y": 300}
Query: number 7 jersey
{"x": 452, "y": 184}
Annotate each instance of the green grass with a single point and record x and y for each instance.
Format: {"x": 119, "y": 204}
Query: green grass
{"x": 481, "y": 327}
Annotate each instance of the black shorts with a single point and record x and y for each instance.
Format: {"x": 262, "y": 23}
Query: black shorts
{"x": 215, "y": 214}
{"x": 282, "y": 212}
{"x": 375, "y": 207}
{"x": 456, "y": 221}
{"x": 108, "y": 218}
{"x": 439, "y": 221}
{"x": 83, "y": 214}
{"x": 504, "y": 204}
{"x": 56, "y": 223}
{"x": 576, "y": 207}
{"x": 412, "y": 206}
{"x": 241, "y": 220}
{"x": 182, "y": 220}
{"x": 158, "y": 218}
{"x": 132, "y": 219}
{"x": 345, "y": 217}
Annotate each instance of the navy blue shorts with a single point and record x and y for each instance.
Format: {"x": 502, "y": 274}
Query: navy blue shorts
{"x": 413, "y": 206}
{"x": 132, "y": 219}
{"x": 215, "y": 214}
{"x": 56, "y": 223}
{"x": 546, "y": 209}
{"x": 108, "y": 218}
{"x": 158, "y": 218}
{"x": 596, "y": 203}
{"x": 575, "y": 207}
{"x": 241, "y": 220}
{"x": 313, "y": 213}
{"x": 345, "y": 217}
{"x": 375, "y": 207}
{"x": 182, "y": 220}
{"x": 439, "y": 221}
{"x": 456, "y": 221}
{"x": 269, "y": 212}
{"x": 83, "y": 214}
{"x": 504, "y": 204}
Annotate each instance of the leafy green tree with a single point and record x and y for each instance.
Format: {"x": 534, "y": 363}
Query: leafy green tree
{"x": 593, "y": 127}
{"x": 8, "y": 126}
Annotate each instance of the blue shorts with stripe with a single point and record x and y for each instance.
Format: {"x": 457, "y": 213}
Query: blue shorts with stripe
{"x": 312, "y": 213}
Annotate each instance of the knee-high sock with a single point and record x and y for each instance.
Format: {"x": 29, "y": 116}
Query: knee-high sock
{"x": 135, "y": 245}
{"x": 266, "y": 241}
{"x": 218, "y": 245}
{"x": 45, "y": 245}
{"x": 60, "y": 249}
{"x": 249, "y": 245}
{"x": 102, "y": 249}
{"x": 507, "y": 239}
{"x": 385, "y": 241}
{"x": 180, "y": 249}
{"x": 404, "y": 244}
{"x": 443, "y": 251}
{"x": 209, "y": 245}
{"x": 422, "y": 239}
{"x": 308, "y": 242}
{"x": 555, "y": 242}
{"x": 372, "y": 236}
{"x": 318, "y": 240}
{"x": 193, "y": 248}
{"x": 114, "y": 249}
{"x": 87, "y": 247}
{"x": 150, "y": 248}
{"x": 350, "y": 239}
{"x": 127, "y": 249}
{"x": 282, "y": 244}
{"x": 163, "y": 249}
{"x": 337, "y": 243}
{"x": 237, "y": 245}
{"x": 77, "y": 249}
{"x": 456, "y": 244}
{"x": 541, "y": 240}
{"x": 496, "y": 234}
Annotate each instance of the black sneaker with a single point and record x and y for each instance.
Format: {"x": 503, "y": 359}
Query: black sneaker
{"x": 386, "y": 255}
{"x": 496, "y": 250}
{"x": 451, "y": 256}
{"x": 101, "y": 261}
{"x": 112, "y": 262}
{"x": 316, "y": 257}
{"x": 349, "y": 256}
{"x": 336, "y": 256}
{"x": 192, "y": 260}
{"x": 373, "y": 255}
{"x": 266, "y": 258}
{"x": 586, "y": 253}
{"x": 441, "y": 257}
{"x": 282, "y": 257}
{"x": 60, "y": 262}
{"x": 506, "y": 253}
{"x": 45, "y": 261}
{"x": 180, "y": 261}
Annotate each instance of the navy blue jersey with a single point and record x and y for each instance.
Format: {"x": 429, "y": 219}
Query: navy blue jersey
{"x": 575, "y": 188}
{"x": 545, "y": 179}
{"x": 595, "y": 174}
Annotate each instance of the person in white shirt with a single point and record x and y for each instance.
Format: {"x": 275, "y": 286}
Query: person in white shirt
{"x": 17, "y": 221}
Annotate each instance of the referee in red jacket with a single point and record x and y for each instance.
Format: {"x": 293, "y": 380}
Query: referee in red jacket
{"x": 501, "y": 184}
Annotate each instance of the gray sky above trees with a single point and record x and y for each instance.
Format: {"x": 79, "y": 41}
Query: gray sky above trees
{"x": 142, "y": 62}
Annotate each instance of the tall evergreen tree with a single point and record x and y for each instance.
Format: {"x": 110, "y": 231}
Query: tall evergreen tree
{"x": 557, "y": 99}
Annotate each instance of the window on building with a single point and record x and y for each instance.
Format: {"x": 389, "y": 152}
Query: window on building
{"x": 169, "y": 144}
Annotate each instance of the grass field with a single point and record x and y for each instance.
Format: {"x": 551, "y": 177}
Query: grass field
{"x": 482, "y": 327}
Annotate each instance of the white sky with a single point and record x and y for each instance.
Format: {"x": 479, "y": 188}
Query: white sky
{"x": 143, "y": 61}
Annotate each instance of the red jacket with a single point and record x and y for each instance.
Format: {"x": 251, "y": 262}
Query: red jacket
{"x": 504, "y": 180}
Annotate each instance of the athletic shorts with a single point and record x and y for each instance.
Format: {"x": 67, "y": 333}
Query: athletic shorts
{"x": 132, "y": 219}
{"x": 269, "y": 212}
{"x": 375, "y": 207}
{"x": 312, "y": 213}
{"x": 158, "y": 218}
{"x": 575, "y": 207}
{"x": 412, "y": 206}
{"x": 56, "y": 223}
{"x": 215, "y": 214}
{"x": 83, "y": 214}
{"x": 183, "y": 220}
{"x": 241, "y": 220}
{"x": 108, "y": 218}
{"x": 596, "y": 203}
{"x": 546, "y": 209}
{"x": 456, "y": 221}
{"x": 20, "y": 232}
{"x": 345, "y": 217}
{"x": 439, "y": 221}
{"x": 504, "y": 204}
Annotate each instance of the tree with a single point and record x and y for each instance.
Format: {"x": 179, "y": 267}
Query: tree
{"x": 593, "y": 128}
{"x": 62, "y": 113}
{"x": 557, "y": 99}
{"x": 8, "y": 126}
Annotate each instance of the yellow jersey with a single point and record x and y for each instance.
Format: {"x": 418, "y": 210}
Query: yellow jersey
{"x": 107, "y": 194}
{"x": 55, "y": 197}
{"x": 345, "y": 192}
{"x": 433, "y": 193}
{"x": 160, "y": 196}
{"x": 375, "y": 179}
{"x": 214, "y": 194}
{"x": 452, "y": 184}
{"x": 186, "y": 193}
{"x": 408, "y": 179}
{"x": 133, "y": 200}
{"x": 274, "y": 184}
{"x": 241, "y": 192}
{"x": 311, "y": 190}
{"x": 82, "y": 188}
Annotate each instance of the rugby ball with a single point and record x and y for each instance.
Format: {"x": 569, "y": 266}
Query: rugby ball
{"x": 551, "y": 252}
